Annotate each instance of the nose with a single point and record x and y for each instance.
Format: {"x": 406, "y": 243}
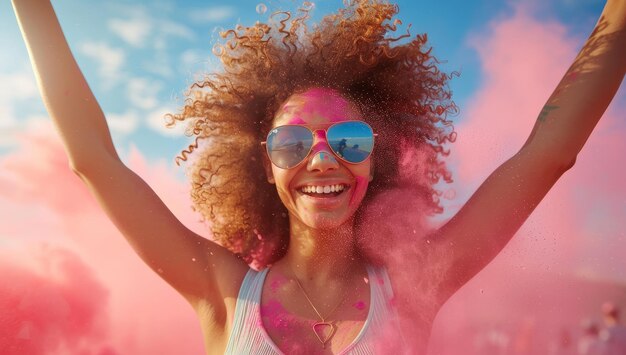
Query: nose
{"x": 321, "y": 158}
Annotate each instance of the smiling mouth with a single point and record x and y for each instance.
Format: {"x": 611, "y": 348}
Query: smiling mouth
{"x": 324, "y": 191}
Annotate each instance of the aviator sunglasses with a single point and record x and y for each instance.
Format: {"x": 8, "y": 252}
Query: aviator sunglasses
{"x": 289, "y": 145}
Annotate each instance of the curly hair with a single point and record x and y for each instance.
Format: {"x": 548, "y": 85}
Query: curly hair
{"x": 398, "y": 88}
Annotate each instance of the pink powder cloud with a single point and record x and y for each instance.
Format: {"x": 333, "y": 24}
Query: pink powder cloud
{"x": 44, "y": 205}
{"x": 50, "y": 300}
{"x": 568, "y": 257}
{"x": 523, "y": 60}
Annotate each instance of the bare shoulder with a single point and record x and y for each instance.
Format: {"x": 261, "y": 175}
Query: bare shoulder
{"x": 229, "y": 274}
{"x": 224, "y": 272}
{"x": 216, "y": 315}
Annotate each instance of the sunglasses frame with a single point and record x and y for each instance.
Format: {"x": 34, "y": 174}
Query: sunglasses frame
{"x": 313, "y": 131}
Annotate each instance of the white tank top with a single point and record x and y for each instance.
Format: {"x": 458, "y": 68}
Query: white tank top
{"x": 249, "y": 337}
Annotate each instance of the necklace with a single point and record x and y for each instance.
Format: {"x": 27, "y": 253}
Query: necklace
{"x": 323, "y": 330}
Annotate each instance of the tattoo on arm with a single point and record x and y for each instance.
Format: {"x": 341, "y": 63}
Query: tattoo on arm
{"x": 545, "y": 111}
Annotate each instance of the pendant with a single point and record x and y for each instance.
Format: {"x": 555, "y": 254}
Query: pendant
{"x": 324, "y": 331}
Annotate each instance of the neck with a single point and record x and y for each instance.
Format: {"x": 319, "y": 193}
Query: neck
{"x": 318, "y": 255}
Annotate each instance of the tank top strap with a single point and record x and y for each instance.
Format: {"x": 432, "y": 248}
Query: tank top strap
{"x": 246, "y": 336}
{"x": 385, "y": 320}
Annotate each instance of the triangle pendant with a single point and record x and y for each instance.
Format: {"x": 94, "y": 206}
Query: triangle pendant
{"x": 324, "y": 331}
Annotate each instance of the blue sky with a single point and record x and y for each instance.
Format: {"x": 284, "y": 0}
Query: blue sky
{"x": 139, "y": 56}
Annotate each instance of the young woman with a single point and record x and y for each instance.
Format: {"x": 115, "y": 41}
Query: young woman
{"x": 296, "y": 137}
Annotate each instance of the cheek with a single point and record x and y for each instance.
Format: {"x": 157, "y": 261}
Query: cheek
{"x": 359, "y": 190}
{"x": 362, "y": 181}
{"x": 282, "y": 179}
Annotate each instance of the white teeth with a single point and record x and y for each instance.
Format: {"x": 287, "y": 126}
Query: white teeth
{"x": 323, "y": 189}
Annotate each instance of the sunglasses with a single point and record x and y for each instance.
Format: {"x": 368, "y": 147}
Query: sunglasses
{"x": 351, "y": 141}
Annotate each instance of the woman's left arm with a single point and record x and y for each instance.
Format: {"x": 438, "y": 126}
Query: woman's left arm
{"x": 584, "y": 93}
{"x": 485, "y": 224}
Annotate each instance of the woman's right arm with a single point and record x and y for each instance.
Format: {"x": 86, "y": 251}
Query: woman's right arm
{"x": 185, "y": 260}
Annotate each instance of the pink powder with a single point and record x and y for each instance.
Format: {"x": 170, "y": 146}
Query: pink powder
{"x": 61, "y": 296}
{"x": 275, "y": 315}
{"x": 296, "y": 120}
{"x": 277, "y": 283}
{"x": 278, "y": 319}
{"x": 359, "y": 189}
{"x": 360, "y": 305}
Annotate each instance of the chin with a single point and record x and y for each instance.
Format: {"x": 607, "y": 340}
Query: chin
{"x": 326, "y": 221}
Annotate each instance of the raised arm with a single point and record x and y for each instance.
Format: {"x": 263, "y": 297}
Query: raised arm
{"x": 479, "y": 231}
{"x": 185, "y": 260}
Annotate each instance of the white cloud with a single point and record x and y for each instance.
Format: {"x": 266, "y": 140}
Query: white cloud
{"x": 160, "y": 44}
{"x": 20, "y": 85}
{"x": 109, "y": 59}
{"x": 143, "y": 92}
{"x": 197, "y": 63}
{"x": 142, "y": 28}
{"x": 134, "y": 31}
{"x": 176, "y": 30}
{"x": 9, "y": 127}
{"x": 124, "y": 123}
{"x": 10, "y": 135}
{"x": 159, "y": 65}
{"x": 15, "y": 88}
{"x": 212, "y": 14}
{"x": 191, "y": 60}
{"x": 7, "y": 117}
{"x": 190, "y": 57}
{"x": 129, "y": 9}
{"x": 156, "y": 121}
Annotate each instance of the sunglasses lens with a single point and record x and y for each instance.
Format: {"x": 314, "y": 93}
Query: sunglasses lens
{"x": 352, "y": 141}
{"x": 287, "y": 146}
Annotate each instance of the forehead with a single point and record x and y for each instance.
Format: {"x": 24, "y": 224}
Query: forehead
{"x": 316, "y": 106}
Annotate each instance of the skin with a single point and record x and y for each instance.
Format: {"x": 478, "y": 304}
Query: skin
{"x": 318, "y": 109}
{"x": 321, "y": 253}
